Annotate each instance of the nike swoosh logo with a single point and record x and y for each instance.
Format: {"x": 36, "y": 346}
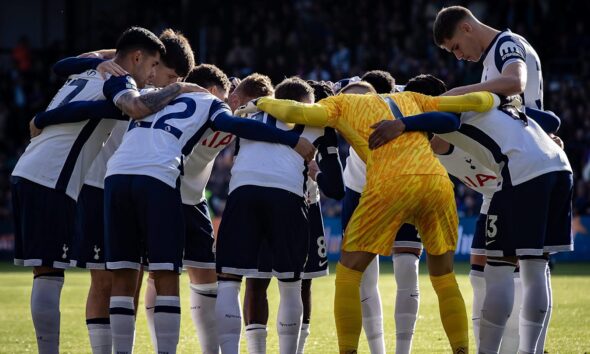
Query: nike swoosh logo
{"x": 323, "y": 263}
{"x": 365, "y": 299}
{"x": 488, "y": 242}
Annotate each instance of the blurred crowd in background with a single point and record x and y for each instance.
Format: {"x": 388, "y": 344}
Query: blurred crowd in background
{"x": 320, "y": 40}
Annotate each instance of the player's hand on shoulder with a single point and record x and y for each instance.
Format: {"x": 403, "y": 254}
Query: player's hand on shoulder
{"x": 186, "y": 87}
{"x": 306, "y": 149}
{"x": 110, "y": 67}
{"x": 246, "y": 109}
{"x": 385, "y": 131}
{"x": 312, "y": 169}
{"x": 557, "y": 140}
{"x": 33, "y": 130}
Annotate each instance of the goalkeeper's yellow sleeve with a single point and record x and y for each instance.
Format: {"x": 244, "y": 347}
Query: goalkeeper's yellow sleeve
{"x": 294, "y": 112}
{"x": 475, "y": 101}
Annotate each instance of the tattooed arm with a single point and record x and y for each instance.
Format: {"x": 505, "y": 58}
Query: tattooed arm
{"x": 139, "y": 106}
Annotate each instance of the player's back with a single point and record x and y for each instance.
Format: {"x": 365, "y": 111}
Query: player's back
{"x": 272, "y": 165}
{"x": 62, "y": 154}
{"x": 410, "y": 154}
{"x": 154, "y": 146}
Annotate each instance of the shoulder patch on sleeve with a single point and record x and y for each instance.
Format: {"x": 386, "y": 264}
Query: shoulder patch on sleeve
{"x": 508, "y": 49}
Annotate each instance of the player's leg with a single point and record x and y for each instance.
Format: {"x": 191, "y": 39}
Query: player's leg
{"x": 88, "y": 253}
{"x": 316, "y": 266}
{"x": 237, "y": 249}
{"x": 289, "y": 244}
{"x": 371, "y": 309}
{"x": 256, "y": 312}
{"x": 406, "y": 256}
{"x": 150, "y": 305}
{"x": 476, "y": 275}
{"x": 123, "y": 258}
{"x": 543, "y": 336}
{"x": 437, "y": 223}
{"x": 161, "y": 220}
{"x": 199, "y": 261}
{"x": 42, "y": 239}
{"x": 511, "y": 337}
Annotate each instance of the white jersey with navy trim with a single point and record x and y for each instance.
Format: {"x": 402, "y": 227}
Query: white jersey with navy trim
{"x": 506, "y": 49}
{"x": 272, "y": 165}
{"x": 154, "y": 146}
{"x": 199, "y": 164}
{"x": 95, "y": 176}
{"x": 472, "y": 173}
{"x": 516, "y": 152}
{"x": 355, "y": 172}
{"x": 61, "y": 155}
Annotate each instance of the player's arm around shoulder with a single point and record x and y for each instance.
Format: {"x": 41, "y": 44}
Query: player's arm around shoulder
{"x": 289, "y": 111}
{"x": 128, "y": 99}
{"x": 475, "y": 101}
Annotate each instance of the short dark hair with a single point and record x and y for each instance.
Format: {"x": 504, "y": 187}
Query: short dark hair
{"x": 446, "y": 22}
{"x": 293, "y": 88}
{"x": 135, "y": 38}
{"x": 179, "y": 54}
{"x": 207, "y": 75}
{"x": 427, "y": 85}
{"x": 381, "y": 80}
{"x": 256, "y": 85}
{"x": 321, "y": 89}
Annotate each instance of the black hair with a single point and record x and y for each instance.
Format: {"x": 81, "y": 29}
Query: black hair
{"x": 381, "y": 80}
{"x": 427, "y": 85}
{"x": 135, "y": 38}
{"x": 207, "y": 75}
{"x": 321, "y": 89}
{"x": 293, "y": 88}
{"x": 179, "y": 54}
{"x": 446, "y": 22}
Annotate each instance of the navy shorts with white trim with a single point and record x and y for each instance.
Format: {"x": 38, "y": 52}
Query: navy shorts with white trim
{"x": 43, "y": 224}
{"x": 531, "y": 218}
{"x": 143, "y": 216}
{"x": 199, "y": 240}
{"x": 88, "y": 245}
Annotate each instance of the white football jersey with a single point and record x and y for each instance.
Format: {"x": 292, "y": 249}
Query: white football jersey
{"x": 272, "y": 165}
{"x": 355, "y": 172}
{"x": 61, "y": 155}
{"x": 511, "y": 150}
{"x": 154, "y": 146}
{"x": 95, "y": 176}
{"x": 472, "y": 173}
{"x": 508, "y": 48}
{"x": 199, "y": 164}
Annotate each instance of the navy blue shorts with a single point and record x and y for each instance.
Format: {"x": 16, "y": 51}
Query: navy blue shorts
{"x": 43, "y": 225}
{"x": 317, "y": 257}
{"x": 254, "y": 215}
{"x": 143, "y": 216}
{"x": 478, "y": 244}
{"x": 531, "y": 218}
{"x": 407, "y": 236}
{"x": 199, "y": 240}
{"x": 88, "y": 245}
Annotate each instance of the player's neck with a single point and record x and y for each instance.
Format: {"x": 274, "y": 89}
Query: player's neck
{"x": 123, "y": 62}
{"x": 487, "y": 35}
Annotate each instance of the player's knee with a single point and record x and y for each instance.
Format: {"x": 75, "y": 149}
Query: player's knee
{"x": 101, "y": 282}
{"x": 357, "y": 260}
{"x": 440, "y": 264}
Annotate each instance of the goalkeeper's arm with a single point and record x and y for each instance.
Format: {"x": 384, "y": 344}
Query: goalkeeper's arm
{"x": 294, "y": 112}
{"x": 475, "y": 101}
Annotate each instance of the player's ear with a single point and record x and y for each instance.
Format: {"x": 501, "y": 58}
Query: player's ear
{"x": 137, "y": 56}
{"x": 466, "y": 27}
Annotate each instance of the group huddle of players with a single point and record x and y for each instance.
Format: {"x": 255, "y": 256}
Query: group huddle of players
{"x": 114, "y": 179}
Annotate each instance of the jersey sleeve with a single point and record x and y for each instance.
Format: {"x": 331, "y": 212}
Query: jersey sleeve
{"x": 475, "y": 101}
{"x": 508, "y": 50}
{"x": 79, "y": 111}
{"x": 330, "y": 179}
{"x": 74, "y": 65}
{"x": 315, "y": 115}
{"x": 221, "y": 119}
{"x": 117, "y": 86}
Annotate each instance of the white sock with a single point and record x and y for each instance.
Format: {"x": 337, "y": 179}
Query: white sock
{"x": 535, "y": 302}
{"x": 45, "y": 297}
{"x": 497, "y": 305}
{"x": 289, "y": 316}
{"x": 167, "y": 323}
{"x": 229, "y": 316}
{"x": 407, "y": 300}
{"x": 256, "y": 338}
{"x": 122, "y": 316}
{"x": 371, "y": 308}
{"x": 150, "y": 305}
{"x": 303, "y": 337}
{"x": 543, "y": 336}
{"x": 478, "y": 283}
{"x": 99, "y": 331}
{"x": 203, "y": 298}
{"x": 511, "y": 338}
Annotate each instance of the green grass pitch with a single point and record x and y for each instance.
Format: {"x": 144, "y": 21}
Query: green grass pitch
{"x": 569, "y": 331}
